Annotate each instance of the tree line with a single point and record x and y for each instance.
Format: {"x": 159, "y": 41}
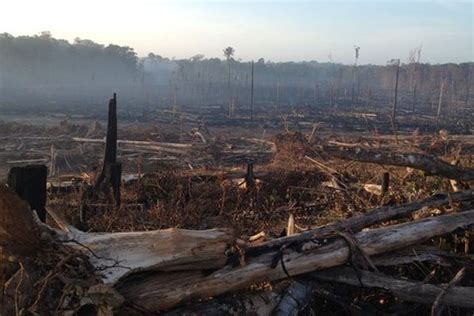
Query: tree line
{"x": 44, "y": 65}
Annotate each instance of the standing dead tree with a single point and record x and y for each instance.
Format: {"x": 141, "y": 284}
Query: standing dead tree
{"x": 414, "y": 59}
{"x": 440, "y": 100}
{"x": 228, "y": 53}
{"x": 468, "y": 83}
{"x": 395, "y": 98}
{"x": 251, "y": 94}
{"x": 394, "y": 106}
{"x": 111, "y": 170}
{"x": 355, "y": 75}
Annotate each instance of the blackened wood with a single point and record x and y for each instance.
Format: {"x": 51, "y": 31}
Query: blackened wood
{"x": 115, "y": 181}
{"x": 394, "y": 107}
{"x": 385, "y": 182}
{"x": 29, "y": 182}
{"x": 249, "y": 177}
{"x": 110, "y": 142}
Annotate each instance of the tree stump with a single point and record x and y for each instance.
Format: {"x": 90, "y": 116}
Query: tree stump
{"x": 29, "y": 182}
{"x": 385, "y": 182}
{"x": 110, "y": 144}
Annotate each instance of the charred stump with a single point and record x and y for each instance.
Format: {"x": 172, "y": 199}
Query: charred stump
{"x": 385, "y": 182}
{"x": 111, "y": 170}
{"x": 29, "y": 182}
{"x": 249, "y": 176}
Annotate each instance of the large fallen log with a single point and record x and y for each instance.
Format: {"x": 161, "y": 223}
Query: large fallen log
{"x": 117, "y": 255}
{"x": 161, "y": 291}
{"x": 431, "y": 165}
{"x": 411, "y": 291}
{"x": 372, "y": 217}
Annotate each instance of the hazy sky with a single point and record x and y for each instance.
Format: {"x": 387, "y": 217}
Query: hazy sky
{"x": 276, "y": 30}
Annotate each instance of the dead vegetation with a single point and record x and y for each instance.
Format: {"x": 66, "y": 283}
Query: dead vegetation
{"x": 312, "y": 217}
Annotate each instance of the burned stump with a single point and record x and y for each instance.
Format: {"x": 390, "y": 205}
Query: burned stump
{"x": 29, "y": 182}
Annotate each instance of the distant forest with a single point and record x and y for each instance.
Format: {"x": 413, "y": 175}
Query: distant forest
{"x": 47, "y": 69}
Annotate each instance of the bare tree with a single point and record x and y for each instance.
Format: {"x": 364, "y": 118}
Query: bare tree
{"x": 395, "y": 62}
{"x": 251, "y": 95}
{"x": 414, "y": 60}
{"x": 356, "y": 50}
{"x": 228, "y": 53}
{"x": 394, "y": 106}
{"x": 468, "y": 83}
{"x": 440, "y": 99}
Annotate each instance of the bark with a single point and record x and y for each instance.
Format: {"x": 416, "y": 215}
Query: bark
{"x": 431, "y": 165}
{"x": 372, "y": 217}
{"x": 161, "y": 291}
{"x": 412, "y": 291}
{"x": 117, "y": 255}
{"x": 110, "y": 145}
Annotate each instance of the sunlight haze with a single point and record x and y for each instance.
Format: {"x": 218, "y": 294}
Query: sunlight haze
{"x": 274, "y": 30}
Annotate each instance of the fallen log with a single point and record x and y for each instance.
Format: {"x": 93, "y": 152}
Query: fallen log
{"x": 133, "y": 142}
{"x": 161, "y": 291}
{"x": 411, "y": 291}
{"x": 297, "y": 296}
{"x": 372, "y": 217}
{"x": 117, "y": 255}
{"x": 431, "y": 165}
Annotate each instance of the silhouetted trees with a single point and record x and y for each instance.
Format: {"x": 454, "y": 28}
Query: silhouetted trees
{"x": 42, "y": 62}
{"x": 43, "y": 65}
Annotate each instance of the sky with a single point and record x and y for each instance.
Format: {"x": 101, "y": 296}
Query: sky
{"x": 291, "y": 30}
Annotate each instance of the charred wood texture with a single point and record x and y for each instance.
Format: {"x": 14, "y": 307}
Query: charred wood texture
{"x": 110, "y": 144}
{"x": 29, "y": 183}
{"x": 385, "y": 182}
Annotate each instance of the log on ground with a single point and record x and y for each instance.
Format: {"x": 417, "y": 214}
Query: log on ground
{"x": 161, "y": 291}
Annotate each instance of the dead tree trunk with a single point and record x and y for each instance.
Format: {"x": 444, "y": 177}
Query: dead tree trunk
{"x": 440, "y": 100}
{"x": 111, "y": 170}
{"x": 29, "y": 183}
{"x": 385, "y": 182}
{"x": 468, "y": 84}
{"x": 249, "y": 176}
{"x": 411, "y": 291}
{"x": 355, "y": 224}
{"x": 296, "y": 298}
{"x": 161, "y": 291}
{"x": 251, "y": 94}
{"x": 116, "y": 181}
{"x": 431, "y": 165}
{"x": 394, "y": 107}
